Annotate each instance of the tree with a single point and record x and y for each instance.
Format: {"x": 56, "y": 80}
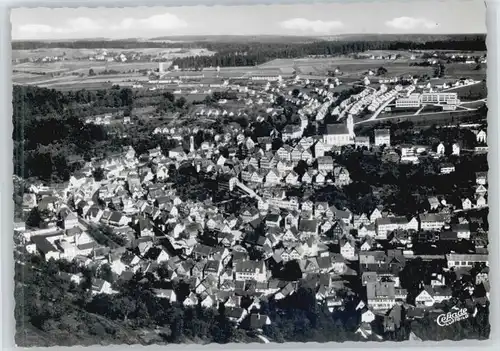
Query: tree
{"x": 36, "y": 217}
{"x": 91, "y": 72}
{"x": 280, "y": 100}
{"x": 106, "y": 273}
{"x": 381, "y": 71}
{"x": 181, "y": 102}
{"x": 98, "y": 174}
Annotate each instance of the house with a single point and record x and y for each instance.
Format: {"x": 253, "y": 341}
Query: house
{"x": 481, "y": 137}
{"x": 465, "y": 260}
{"x": 273, "y": 177}
{"x": 307, "y": 156}
{"x": 190, "y": 300}
{"x": 466, "y": 204}
{"x": 367, "y": 316}
{"x": 481, "y": 178}
{"x": 320, "y": 148}
{"x": 213, "y": 267}
{"x": 462, "y": 231}
{"x": 235, "y": 314}
{"x": 447, "y": 168}
{"x": 381, "y": 295}
{"x": 440, "y": 149}
{"x": 46, "y": 249}
{"x": 168, "y": 294}
{"x": 292, "y": 220}
{"x": 208, "y": 302}
{"x": 367, "y": 230}
{"x": 291, "y": 131}
{"x": 432, "y": 221}
{"x": 385, "y": 225}
{"x": 382, "y": 137}
{"x": 342, "y": 177}
{"x": 362, "y": 141}
{"x": 100, "y": 286}
{"x": 273, "y": 220}
{"x": 68, "y": 218}
{"x": 320, "y": 178}
{"x": 375, "y": 215}
{"x": 157, "y": 255}
{"x": 431, "y": 295}
{"x": 285, "y": 153}
{"x": 249, "y": 214}
{"x": 308, "y": 227}
{"x": 347, "y": 250}
{"x": 118, "y": 219}
{"x": 481, "y": 201}
{"x": 433, "y": 203}
{"x": 325, "y": 163}
{"x": 292, "y": 178}
{"x": 74, "y": 278}
{"x": 250, "y": 270}
{"x": 29, "y": 201}
{"x": 481, "y": 190}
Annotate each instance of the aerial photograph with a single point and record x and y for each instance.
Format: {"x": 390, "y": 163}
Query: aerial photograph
{"x": 250, "y": 173}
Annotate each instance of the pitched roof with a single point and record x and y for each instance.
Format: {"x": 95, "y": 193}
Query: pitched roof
{"x": 336, "y": 129}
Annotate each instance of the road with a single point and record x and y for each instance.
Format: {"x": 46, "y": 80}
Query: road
{"x": 472, "y": 102}
{"x": 380, "y": 109}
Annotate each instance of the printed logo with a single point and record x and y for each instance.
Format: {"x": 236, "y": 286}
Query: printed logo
{"x": 449, "y": 318}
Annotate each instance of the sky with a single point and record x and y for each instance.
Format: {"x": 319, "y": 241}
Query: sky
{"x": 391, "y": 17}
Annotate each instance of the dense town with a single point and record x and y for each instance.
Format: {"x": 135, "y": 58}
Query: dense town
{"x": 240, "y": 214}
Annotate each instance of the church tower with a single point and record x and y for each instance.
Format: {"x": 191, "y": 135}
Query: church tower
{"x": 350, "y": 126}
{"x": 191, "y": 144}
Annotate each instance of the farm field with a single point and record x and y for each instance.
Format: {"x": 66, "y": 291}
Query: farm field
{"x": 72, "y": 54}
{"x": 82, "y": 66}
{"x": 97, "y": 82}
{"x": 459, "y": 70}
{"x": 77, "y": 62}
{"x": 472, "y": 92}
{"x": 348, "y": 67}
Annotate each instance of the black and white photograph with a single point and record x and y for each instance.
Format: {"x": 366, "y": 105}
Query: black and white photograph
{"x": 261, "y": 173}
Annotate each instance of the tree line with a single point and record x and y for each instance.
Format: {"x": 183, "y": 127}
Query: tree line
{"x": 251, "y": 54}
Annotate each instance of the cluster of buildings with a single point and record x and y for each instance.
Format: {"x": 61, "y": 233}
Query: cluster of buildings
{"x": 138, "y": 201}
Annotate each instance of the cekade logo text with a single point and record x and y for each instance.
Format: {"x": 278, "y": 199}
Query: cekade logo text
{"x": 449, "y": 318}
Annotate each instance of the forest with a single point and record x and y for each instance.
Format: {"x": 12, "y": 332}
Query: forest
{"x": 51, "y": 138}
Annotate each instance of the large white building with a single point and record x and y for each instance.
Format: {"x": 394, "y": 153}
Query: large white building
{"x": 269, "y": 78}
{"x": 338, "y": 135}
{"x": 439, "y": 98}
{"x": 412, "y": 101}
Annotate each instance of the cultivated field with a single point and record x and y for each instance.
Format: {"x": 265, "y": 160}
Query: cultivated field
{"x": 72, "y": 54}
{"x": 77, "y": 63}
{"x": 466, "y": 70}
{"x": 348, "y": 66}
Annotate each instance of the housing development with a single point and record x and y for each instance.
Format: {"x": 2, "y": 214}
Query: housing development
{"x": 309, "y": 192}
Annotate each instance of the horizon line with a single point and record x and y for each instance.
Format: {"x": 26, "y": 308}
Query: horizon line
{"x": 247, "y": 35}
